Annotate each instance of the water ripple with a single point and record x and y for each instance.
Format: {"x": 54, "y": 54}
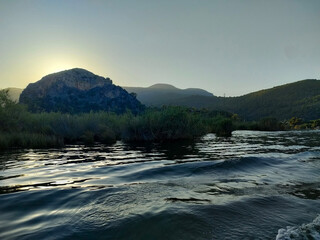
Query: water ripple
{"x": 245, "y": 187}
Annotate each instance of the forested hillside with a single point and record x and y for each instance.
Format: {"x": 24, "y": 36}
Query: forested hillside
{"x": 300, "y": 99}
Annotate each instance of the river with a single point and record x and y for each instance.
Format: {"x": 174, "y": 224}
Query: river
{"x": 254, "y": 185}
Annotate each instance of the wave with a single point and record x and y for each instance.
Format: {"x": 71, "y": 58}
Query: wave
{"x": 305, "y": 231}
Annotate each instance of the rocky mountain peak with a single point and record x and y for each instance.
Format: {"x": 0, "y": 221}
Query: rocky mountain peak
{"x": 75, "y": 78}
{"x": 77, "y": 90}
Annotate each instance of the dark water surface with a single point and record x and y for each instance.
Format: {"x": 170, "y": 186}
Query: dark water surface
{"x": 255, "y": 185}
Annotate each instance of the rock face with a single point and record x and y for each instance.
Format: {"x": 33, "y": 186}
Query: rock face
{"x": 78, "y": 90}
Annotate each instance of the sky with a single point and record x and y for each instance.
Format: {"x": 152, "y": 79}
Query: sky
{"x": 228, "y": 47}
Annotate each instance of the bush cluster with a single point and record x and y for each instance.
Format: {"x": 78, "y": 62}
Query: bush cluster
{"x": 23, "y": 129}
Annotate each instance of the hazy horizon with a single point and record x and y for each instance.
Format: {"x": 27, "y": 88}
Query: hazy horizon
{"x": 224, "y": 47}
{"x": 13, "y": 87}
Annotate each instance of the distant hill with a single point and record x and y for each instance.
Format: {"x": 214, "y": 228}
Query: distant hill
{"x": 14, "y": 93}
{"x": 300, "y": 99}
{"x": 158, "y": 93}
{"x": 77, "y": 90}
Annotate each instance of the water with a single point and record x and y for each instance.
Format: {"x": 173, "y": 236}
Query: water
{"x": 255, "y": 185}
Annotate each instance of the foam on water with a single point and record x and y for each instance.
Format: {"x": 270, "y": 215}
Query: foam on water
{"x": 305, "y": 231}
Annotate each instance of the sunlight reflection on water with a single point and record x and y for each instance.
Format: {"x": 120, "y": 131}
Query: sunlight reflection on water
{"x": 249, "y": 185}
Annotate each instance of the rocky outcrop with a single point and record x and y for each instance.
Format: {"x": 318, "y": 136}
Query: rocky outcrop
{"x": 78, "y": 90}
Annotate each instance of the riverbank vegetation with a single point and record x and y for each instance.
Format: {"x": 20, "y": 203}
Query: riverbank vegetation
{"x": 22, "y": 129}
{"x": 272, "y": 124}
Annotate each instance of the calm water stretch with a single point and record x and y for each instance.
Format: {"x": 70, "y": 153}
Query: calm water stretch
{"x": 255, "y": 185}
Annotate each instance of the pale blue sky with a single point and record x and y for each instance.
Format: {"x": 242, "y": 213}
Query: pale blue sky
{"x": 228, "y": 46}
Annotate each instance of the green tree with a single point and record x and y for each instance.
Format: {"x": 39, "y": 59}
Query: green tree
{"x": 315, "y": 123}
{"x": 294, "y": 121}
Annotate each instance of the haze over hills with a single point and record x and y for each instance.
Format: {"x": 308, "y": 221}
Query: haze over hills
{"x": 158, "y": 93}
{"x": 300, "y": 99}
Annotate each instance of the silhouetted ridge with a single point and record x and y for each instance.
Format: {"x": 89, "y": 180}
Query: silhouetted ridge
{"x": 163, "y": 86}
{"x": 156, "y": 94}
{"x": 300, "y": 99}
{"x": 77, "y": 90}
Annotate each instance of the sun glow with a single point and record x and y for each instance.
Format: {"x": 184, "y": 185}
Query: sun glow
{"x": 59, "y": 66}
{"x": 54, "y": 65}
{"x": 59, "y": 69}
{"x": 50, "y": 62}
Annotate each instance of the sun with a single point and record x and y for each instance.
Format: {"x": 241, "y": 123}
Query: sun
{"x": 58, "y": 67}
{"x": 57, "y": 64}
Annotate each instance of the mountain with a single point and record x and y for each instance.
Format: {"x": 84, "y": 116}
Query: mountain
{"x": 163, "y": 86}
{"x": 14, "y": 93}
{"x": 156, "y": 94}
{"x": 300, "y": 99}
{"x": 77, "y": 90}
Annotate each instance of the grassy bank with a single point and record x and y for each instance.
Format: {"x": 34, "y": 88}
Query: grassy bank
{"x": 22, "y": 129}
{"x": 28, "y": 140}
{"x": 272, "y": 124}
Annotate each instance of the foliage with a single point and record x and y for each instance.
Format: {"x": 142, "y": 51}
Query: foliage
{"x": 315, "y": 123}
{"x": 269, "y": 124}
{"x": 299, "y": 124}
{"x": 168, "y": 123}
{"x": 28, "y": 140}
{"x": 294, "y": 121}
{"x": 23, "y": 129}
{"x": 20, "y": 128}
{"x": 300, "y": 99}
